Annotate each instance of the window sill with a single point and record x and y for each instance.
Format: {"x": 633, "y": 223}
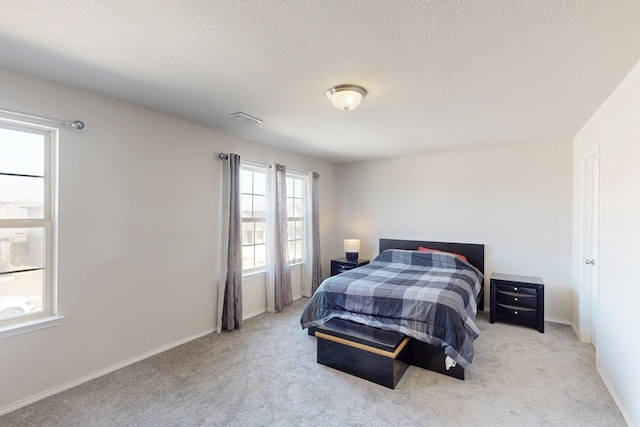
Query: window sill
{"x": 252, "y": 273}
{"x": 29, "y": 326}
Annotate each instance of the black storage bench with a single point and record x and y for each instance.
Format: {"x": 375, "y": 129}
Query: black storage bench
{"x": 369, "y": 353}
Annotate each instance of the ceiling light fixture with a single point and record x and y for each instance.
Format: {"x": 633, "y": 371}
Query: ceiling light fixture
{"x": 346, "y": 97}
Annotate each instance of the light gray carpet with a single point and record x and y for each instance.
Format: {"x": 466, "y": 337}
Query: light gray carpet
{"x": 266, "y": 375}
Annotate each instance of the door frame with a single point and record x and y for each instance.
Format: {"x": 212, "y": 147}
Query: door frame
{"x": 589, "y": 213}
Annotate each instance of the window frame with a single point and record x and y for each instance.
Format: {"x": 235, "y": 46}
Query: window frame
{"x": 253, "y": 270}
{"x": 48, "y": 223}
{"x": 297, "y": 176}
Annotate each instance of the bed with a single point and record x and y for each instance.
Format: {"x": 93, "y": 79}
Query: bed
{"x": 431, "y": 297}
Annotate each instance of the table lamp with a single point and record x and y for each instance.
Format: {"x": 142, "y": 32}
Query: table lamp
{"x": 352, "y": 248}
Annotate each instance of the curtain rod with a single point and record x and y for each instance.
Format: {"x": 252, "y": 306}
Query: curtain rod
{"x": 225, "y": 156}
{"x": 76, "y": 124}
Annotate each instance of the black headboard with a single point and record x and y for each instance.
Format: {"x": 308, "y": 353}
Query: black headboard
{"x": 472, "y": 251}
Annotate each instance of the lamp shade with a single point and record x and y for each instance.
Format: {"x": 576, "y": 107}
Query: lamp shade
{"x": 352, "y": 248}
{"x": 346, "y": 97}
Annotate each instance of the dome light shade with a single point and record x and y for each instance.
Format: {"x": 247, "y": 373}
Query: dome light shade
{"x": 346, "y": 97}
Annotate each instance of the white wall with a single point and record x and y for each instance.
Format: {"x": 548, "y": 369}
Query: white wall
{"x": 616, "y": 128}
{"x": 254, "y": 288}
{"x": 138, "y": 236}
{"x": 516, "y": 199}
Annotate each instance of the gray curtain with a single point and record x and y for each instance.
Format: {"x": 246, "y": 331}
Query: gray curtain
{"x": 312, "y": 273}
{"x": 279, "y": 291}
{"x": 232, "y": 293}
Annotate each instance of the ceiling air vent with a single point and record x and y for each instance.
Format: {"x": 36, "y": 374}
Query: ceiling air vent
{"x": 244, "y": 118}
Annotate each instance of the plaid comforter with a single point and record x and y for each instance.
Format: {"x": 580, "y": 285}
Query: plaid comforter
{"x": 427, "y": 296}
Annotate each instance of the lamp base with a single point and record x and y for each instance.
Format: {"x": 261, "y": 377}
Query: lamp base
{"x": 352, "y": 256}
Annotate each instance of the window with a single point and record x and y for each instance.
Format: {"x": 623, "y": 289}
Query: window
{"x": 253, "y": 212}
{"x": 27, "y": 228}
{"x": 295, "y": 216}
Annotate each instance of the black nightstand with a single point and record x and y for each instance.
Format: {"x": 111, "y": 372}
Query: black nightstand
{"x": 340, "y": 265}
{"x": 518, "y": 299}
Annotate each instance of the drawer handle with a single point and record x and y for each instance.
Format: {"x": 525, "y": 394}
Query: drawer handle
{"x": 515, "y": 299}
{"x": 515, "y": 289}
{"x": 516, "y": 312}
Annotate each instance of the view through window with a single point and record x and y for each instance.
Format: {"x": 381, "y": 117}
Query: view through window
{"x": 253, "y": 212}
{"x": 295, "y": 217}
{"x": 25, "y": 222}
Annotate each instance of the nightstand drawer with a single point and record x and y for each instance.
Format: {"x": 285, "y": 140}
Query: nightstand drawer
{"x": 516, "y": 298}
{"x": 341, "y": 265}
{"x": 516, "y": 312}
{"x": 514, "y": 287}
{"x": 337, "y": 269}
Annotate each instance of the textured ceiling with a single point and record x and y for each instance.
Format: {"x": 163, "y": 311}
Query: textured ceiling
{"x": 440, "y": 74}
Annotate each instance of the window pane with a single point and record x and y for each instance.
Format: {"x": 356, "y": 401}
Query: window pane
{"x": 248, "y": 233}
{"x": 21, "y": 153}
{"x": 246, "y": 206}
{"x": 298, "y": 209}
{"x": 259, "y": 206}
{"x": 298, "y": 249}
{"x": 291, "y": 246}
{"x": 261, "y": 259}
{"x": 247, "y": 257}
{"x": 21, "y": 249}
{"x": 261, "y": 232}
{"x": 25, "y": 259}
{"x": 290, "y": 207}
{"x": 289, "y": 187}
{"x": 297, "y": 188}
{"x": 253, "y": 207}
{"x": 21, "y": 197}
{"x": 259, "y": 183}
{"x": 246, "y": 183}
{"x": 21, "y": 293}
{"x": 299, "y": 230}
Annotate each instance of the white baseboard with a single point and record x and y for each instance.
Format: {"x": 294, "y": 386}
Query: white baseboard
{"x": 556, "y": 320}
{"x": 39, "y": 396}
{"x": 583, "y": 339}
{"x": 246, "y": 316}
{"x": 616, "y": 399}
{"x": 263, "y": 310}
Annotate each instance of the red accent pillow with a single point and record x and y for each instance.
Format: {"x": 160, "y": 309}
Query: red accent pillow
{"x": 462, "y": 257}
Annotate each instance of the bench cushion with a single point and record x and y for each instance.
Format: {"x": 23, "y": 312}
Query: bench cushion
{"x": 366, "y": 335}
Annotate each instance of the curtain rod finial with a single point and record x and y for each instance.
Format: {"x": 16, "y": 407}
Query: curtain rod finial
{"x": 223, "y": 156}
{"x": 76, "y": 124}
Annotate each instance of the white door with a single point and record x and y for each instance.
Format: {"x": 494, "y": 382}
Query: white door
{"x": 589, "y": 249}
